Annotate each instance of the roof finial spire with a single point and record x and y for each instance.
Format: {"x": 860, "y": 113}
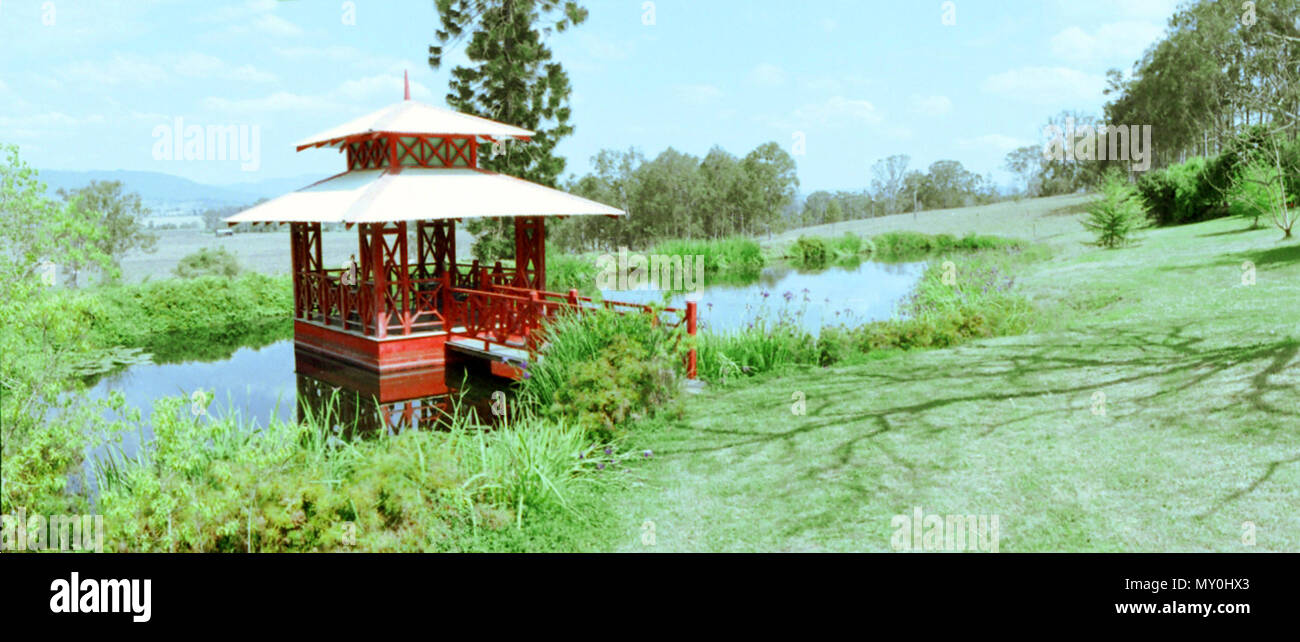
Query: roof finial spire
{"x": 406, "y": 82}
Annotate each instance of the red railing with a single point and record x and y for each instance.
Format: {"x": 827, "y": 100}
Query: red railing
{"x": 479, "y": 304}
{"x": 508, "y": 316}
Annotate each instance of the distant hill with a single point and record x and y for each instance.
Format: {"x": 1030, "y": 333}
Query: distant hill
{"x": 166, "y": 193}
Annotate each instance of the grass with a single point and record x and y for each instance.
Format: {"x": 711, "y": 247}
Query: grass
{"x": 218, "y": 484}
{"x": 734, "y": 255}
{"x": 175, "y": 318}
{"x": 1196, "y": 372}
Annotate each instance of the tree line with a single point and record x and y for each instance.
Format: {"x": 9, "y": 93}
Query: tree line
{"x": 1220, "y": 69}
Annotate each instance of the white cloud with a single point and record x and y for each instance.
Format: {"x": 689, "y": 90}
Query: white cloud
{"x": 767, "y": 75}
{"x": 278, "y": 101}
{"x": 932, "y": 105}
{"x": 835, "y": 111}
{"x": 274, "y": 25}
{"x": 197, "y": 65}
{"x": 131, "y": 69}
{"x": 1116, "y": 42}
{"x": 371, "y": 92}
{"x": 698, "y": 94}
{"x": 250, "y": 17}
{"x": 44, "y": 125}
{"x": 1046, "y": 84}
{"x": 118, "y": 70}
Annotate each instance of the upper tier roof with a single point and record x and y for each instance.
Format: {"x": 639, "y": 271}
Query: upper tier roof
{"x": 412, "y": 117}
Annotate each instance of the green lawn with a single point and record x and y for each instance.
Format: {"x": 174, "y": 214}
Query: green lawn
{"x": 1200, "y": 431}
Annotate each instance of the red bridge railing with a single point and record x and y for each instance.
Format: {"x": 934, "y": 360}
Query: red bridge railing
{"x": 510, "y": 316}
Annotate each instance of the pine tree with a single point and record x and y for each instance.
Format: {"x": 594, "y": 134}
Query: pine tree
{"x": 511, "y": 79}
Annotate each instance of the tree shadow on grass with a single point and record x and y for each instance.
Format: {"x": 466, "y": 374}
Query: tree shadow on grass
{"x": 1164, "y": 364}
{"x": 1277, "y": 256}
{"x": 1281, "y": 255}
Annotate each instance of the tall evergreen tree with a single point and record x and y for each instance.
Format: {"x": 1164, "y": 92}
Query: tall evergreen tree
{"x": 512, "y": 79}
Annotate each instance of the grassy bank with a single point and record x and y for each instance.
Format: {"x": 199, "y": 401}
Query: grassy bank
{"x": 816, "y": 252}
{"x": 215, "y": 484}
{"x": 1150, "y": 406}
{"x": 191, "y": 318}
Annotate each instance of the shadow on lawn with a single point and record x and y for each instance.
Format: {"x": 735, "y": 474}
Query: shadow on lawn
{"x": 1168, "y": 364}
{"x": 1272, "y": 257}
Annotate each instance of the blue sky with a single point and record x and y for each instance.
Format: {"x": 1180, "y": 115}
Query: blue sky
{"x": 85, "y": 83}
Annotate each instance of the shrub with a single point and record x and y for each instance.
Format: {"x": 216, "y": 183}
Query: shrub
{"x": 208, "y": 262}
{"x": 848, "y": 245}
{"x": 154, "y": 314}
{"x": 1257, "y": 191}
{"x": 1116, "y": 214}
{"x": 1157, "y": 191}
{"x": 1192, "y": 196}
{"x": 603, "y": 370}
{"x": 809, "y": 252}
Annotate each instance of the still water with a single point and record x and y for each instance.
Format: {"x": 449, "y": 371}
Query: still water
{"x": 852, "y": 295}
{"x": 258, "y": 384}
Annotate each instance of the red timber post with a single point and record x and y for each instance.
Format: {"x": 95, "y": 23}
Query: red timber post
{"x": 323, "y": 300}
{"x": 692, "y": 310}
{"x": 403, "y": 277}
{"x": 448, "y": 300}
{"x": 295, "y": 258}
{"x": 530, "y": 252}
{"x": 379, "y": 274}
{"x": 533, "y": 320}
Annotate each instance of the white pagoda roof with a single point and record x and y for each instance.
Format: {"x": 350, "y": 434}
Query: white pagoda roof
{"x": 417, "y": 193}
{"x": 412, "y": 117}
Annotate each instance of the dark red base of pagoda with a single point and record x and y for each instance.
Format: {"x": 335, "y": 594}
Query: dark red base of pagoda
{"x": 420, "y": 351}
{"x": 394, "y": 368}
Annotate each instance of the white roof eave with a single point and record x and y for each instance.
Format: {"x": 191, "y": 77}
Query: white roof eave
{"x": 377, "y": 195}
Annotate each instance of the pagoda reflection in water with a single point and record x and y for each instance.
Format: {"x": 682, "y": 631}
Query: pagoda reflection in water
{"x": 356, "y": 400}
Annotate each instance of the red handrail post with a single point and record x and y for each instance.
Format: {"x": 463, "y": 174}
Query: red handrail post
{"x": 573, "y": 297}
{"x": 534, "y": 320}
{"x": 691, "y": 310}
{"x": 447, "y": 300}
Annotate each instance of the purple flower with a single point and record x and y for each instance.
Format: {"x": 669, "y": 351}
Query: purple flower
{"x": 582, "y": 455}
{"x": 609, "y": 451}
{"x": 766, "y": 294}
{"x": 600, "y": 466}
{"x": 647, "y": 454}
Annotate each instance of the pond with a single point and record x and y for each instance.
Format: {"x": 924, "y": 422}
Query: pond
{"x": 868, "y": 291}
{"x": 270, "y": 381}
